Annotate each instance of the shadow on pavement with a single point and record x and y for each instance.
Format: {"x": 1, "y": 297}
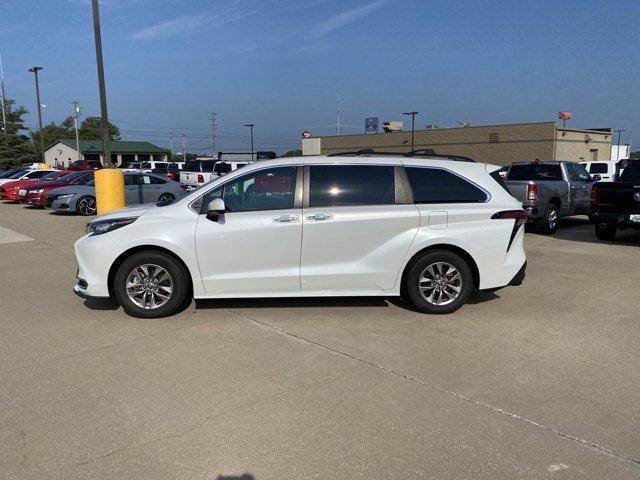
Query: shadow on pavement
{"x": 579, "y": 229}
{"x": 101, "y": 304}
{"x": 244, "y": 476}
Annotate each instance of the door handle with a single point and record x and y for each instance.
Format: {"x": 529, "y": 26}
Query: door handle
{"x": 285, "y": 219}
{"x": 319, "y": 217}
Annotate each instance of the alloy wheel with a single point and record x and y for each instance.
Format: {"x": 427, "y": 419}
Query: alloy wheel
{"x": 87, "y": 206}
{"x": 440, "y": 283}
{"x": 149, "y": 286}
{"x": 552, "y": 218}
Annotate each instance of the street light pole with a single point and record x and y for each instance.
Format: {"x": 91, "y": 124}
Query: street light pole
{"x": 251, "y": 125}
{"x": 76, "y": 114}
{"x": 35, "y": 71}
{"x": 106, "y": 146}
{"x": 413, "y": 119}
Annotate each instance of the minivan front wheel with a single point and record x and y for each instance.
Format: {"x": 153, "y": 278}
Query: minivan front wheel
{"x": 151, "y": 285}
{"x": 439, "y": 282}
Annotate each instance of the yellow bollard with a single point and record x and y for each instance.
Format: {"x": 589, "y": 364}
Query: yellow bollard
{"x": 109, "y": 189}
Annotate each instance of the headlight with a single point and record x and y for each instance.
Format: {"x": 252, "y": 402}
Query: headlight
{"x": 103, "y": 226}
{"x": 66, "y": 195}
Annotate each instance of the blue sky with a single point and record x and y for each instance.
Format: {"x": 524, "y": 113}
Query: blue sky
{"x": 280, "y": 64}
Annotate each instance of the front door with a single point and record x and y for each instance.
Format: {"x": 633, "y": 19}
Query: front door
{"x": 254, "y": 247}
{"x": 355, "y": 233}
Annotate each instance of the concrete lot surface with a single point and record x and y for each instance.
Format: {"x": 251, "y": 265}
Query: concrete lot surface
{"x": 537, "y": 381}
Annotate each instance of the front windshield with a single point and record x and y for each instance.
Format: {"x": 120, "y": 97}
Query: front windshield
{"x": 18, "y": 174}
{"x": 70, "y": 176}
{"x": 50, "y": 175}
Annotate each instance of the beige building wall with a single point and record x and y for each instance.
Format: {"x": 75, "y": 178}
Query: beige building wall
{"x": 496, "y": 144}
{"x": 58, "y": 155}
{"x": 579, "y": 145}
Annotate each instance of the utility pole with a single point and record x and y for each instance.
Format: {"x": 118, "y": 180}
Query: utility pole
{"x": 338, "y": 116}
{"x": 76, "y": 114}
{"x": 106, "y": 139}
{"x": 251, "y": 125}
{"x": 413, "y": 119}
{"x": 619, "y": 132}
{"x": 171, "y": 144}
{"x": 35, "y": 71}
{"x": 2, "y": 97}
{"x": 214, "y": 127}
{"x": 184, "y": 147}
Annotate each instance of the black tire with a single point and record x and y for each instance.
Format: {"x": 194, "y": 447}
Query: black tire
{"x": 166, "y": 198}
{"x": 86, "y": 206}
{"x": 179, "y": 282}
{"x": 549, "y": 223}
{"x": 605, "y": 232}
{"x": 418, "y": 271}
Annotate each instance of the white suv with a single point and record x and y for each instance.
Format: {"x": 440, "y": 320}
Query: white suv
{"x": 429, "y": 229}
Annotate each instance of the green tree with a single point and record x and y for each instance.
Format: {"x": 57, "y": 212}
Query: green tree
{"x": 292, "y": 153}
{"x": 90, "y": 129}
{"x": 635, "y": 155}
{"x": 52, "y": 133}
{"x": 15, "y": 147}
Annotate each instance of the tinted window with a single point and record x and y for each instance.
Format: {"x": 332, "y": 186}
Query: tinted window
{"x": 50, "y": 175}
{"x": 631, "y": 173}
{"x": 38, "y": 174}
{"x": 598, "y": 168}
{"x": 434, "y": 185}
{"x": 130, "y": 179}
{"x": 333, "y": 185}
{"x": 222, "y": 168}
{"x": 531, "y": 171}
{"x": 577, "y": 173}
{"x": 17, "y": 174}
{"x": 271, "y": 189}
{"x": 200, "y": 165}
{"x": 156, "y": 180}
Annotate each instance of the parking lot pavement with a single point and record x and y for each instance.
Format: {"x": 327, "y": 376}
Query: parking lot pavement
{"x": 538, "y": 381}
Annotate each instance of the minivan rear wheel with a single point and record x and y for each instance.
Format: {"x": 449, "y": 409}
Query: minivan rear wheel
{"x": 439, "y": 282}
{"x": 151, "y": 285}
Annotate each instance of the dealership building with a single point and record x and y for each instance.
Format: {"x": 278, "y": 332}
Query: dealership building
{"x": 63, "y": 152}
{"x": 496, "y": 144}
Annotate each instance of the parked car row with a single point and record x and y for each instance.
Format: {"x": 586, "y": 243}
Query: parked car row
{"x": 73, "y": 191}
{"x": 551, "y": 190}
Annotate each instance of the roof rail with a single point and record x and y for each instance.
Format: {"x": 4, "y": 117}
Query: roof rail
{"x": 430, "y": 153}
{"x": 365, "y": 152}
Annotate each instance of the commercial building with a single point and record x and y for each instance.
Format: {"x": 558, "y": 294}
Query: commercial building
{"x": 63, "y": 152}
{"x": 496, "y": 144}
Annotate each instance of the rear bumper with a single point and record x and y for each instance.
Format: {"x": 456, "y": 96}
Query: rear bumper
{"x": 519, "y": 277}
{"x": 618, "y": 220}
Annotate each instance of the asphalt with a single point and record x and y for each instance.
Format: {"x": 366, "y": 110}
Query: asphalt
{"x": 533, "y": 382}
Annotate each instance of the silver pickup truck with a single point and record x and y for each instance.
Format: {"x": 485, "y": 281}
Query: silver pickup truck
{"x": 550, "y": 190}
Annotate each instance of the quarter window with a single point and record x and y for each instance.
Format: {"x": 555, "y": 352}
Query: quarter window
{"x": 435, "y": 185}
{"x": 334, "y": 185}
{"x": 598, "y": 168}
{"x": 271, "y": 189}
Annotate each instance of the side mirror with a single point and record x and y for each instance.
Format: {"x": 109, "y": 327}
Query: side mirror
{"x": 215, "y": 208}
{"x": 596, "y": 178}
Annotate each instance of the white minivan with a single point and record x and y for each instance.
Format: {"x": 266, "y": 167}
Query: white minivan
{"x": 429, "y": 229}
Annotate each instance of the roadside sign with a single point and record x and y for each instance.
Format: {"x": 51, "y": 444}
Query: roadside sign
{"x": 371, "y": 125}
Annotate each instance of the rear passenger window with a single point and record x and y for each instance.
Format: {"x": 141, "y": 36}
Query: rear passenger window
{"x": 435, "y": 185}
{"x": 598, "y": 168}
{"x": 335, "y": 185}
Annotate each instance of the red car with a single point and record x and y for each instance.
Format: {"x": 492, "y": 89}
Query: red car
{"x": 84, "y": 165}
{"x": 35, "y": 194}
{"x": 11, "y": 190}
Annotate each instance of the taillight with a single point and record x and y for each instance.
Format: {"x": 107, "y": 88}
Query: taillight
{"x": 532, "y": 192}
{"x": 594, "y": 196}
{"x": 520, "y": 217}
{"x": 200, "y": 179}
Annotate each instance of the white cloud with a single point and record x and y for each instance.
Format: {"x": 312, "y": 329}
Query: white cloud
{"x": 188, "y": 23}
{"x": 347, "y": 17}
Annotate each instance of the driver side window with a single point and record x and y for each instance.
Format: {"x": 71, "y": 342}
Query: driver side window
{"x": 271, "y": 189}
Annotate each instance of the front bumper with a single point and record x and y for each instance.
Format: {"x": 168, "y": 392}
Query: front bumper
{"x": 62, "y": 204}
{"x": 519, "y": 277}
{"x": 95, "y": 255}
{"x": 35, "y": 200}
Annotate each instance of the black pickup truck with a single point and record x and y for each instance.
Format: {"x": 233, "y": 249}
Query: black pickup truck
{"x": 616, "y": 205}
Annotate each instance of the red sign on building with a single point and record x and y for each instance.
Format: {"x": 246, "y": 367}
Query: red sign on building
{"x": 564, "y": 115}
